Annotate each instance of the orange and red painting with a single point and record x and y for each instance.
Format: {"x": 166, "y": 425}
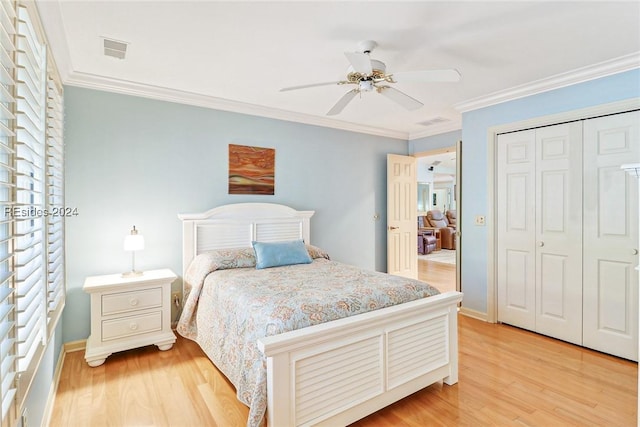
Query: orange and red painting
{"x": 251, "y": 170}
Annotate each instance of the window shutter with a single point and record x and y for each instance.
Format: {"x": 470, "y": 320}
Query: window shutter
{"x": 8, "y": 361}
{"x": 55, "y": 202}
{"x": 29, "y": 219}
{"x": 32, "y": 283}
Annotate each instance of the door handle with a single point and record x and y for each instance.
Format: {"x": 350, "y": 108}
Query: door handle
{"x": 541, "y": 244}
{"x": 393, "y": 228}
{"x": 634, "y": 252}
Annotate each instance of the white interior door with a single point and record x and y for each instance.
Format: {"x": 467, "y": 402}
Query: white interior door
{"x": 611, "y": 235}
{"x": 515, "y": 224}
{"x": 402, "y": 211}
{"x": 558, "y": 213}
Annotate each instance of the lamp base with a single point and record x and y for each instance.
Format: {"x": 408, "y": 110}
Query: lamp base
{"x": 132, "y": 273}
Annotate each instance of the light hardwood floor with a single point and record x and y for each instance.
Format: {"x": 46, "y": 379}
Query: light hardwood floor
{"x": 441, "y": 276}
{"x": 508, "y": 376}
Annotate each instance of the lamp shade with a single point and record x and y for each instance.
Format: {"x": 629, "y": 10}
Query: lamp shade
{"x": 134, "y": 241}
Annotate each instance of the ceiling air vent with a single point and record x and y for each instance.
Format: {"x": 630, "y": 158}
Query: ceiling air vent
{"x": 115, "y": 48}
{"x": 434, "y": 121}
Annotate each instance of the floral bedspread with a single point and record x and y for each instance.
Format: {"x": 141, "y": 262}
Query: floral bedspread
{"x": 229, "y": 305}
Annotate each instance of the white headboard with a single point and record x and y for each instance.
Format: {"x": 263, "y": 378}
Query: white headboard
{"x": 236, "y": 225}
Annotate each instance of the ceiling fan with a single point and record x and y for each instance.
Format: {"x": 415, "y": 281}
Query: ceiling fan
{"x": 370, "y": 74}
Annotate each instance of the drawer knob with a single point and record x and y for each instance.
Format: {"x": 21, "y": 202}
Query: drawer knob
{"x": 133, "y": 326}
{"x": 133, "y": 302}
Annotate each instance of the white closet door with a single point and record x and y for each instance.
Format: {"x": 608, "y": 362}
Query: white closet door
{"x": 539, "y": 223}
{"x": 516, "y": 229}
{"x": 611, "y": 235}
{"x": 558, "y": 213}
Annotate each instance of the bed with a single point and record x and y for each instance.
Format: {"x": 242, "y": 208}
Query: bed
{"x": 329, "y": 369}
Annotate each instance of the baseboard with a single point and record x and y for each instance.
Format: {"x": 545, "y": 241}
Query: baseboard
{"x": 474, "y": 314}
{"x": 74, "y": 346}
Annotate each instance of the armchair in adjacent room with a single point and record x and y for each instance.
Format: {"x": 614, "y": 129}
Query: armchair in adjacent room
{"x": 452, "y": 218}
{"x": 426, "y": 237}
{"x": 436, "y": 219}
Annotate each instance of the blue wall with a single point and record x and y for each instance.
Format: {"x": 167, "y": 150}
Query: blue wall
{"x": 132, "y": 160}
{"x": 476, "y": 124}
{"x": 435, "y": 142}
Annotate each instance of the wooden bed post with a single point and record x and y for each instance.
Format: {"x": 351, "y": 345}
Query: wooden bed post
{"x": 188, "y": 245}
{"x": 452, "y": 378}
{"x": 279, "y": 391}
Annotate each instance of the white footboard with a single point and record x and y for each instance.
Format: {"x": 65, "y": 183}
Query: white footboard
{"x": 338, "y": 372}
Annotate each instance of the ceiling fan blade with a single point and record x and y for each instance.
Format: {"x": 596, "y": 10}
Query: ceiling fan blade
{"x": 400, "y": 97}
{"x": 284, "y": 89}
{"x": 360, "y": 62}
{"x": 451, "y": 75}
{"x": 342, "y": 102}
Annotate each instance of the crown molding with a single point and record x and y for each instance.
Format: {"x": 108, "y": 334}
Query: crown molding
{"x": 70, "y": 77}
{"x": 451, "y": 126}
{"x": 580, "y": 75}
{"x": 92, "y": 81}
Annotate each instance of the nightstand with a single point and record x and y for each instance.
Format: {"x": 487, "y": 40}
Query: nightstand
{"x": 129, "y": 312}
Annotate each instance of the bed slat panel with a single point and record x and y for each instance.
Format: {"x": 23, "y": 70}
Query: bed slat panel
{"x": 279, "y": 231}
{"x": 353, "y": 372}
{"x": 222, "y": 236}
{"x": 416, "y": 349}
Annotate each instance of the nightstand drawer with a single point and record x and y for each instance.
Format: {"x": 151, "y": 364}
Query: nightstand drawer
{"x": 129, "y": 301}
{"x": 134, "y": 325}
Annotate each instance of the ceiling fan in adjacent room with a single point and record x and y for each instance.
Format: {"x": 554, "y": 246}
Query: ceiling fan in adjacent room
{"x": 369, "y": 74}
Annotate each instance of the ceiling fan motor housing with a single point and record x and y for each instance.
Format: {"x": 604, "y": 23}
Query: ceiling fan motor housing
{"x": 378, "y": 67}
{"x": 366, "y": 46}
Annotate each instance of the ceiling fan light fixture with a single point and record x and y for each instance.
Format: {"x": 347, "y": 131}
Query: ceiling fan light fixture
{"x": 366, "y": 85}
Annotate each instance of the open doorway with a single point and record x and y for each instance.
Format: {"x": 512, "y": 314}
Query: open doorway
{"x": 438, "y": 201}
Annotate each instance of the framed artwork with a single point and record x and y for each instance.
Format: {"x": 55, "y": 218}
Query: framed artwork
{"x": 251, "y": 170}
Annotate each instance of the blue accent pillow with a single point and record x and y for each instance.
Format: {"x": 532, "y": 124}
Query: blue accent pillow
{"x": 276, "y": 254}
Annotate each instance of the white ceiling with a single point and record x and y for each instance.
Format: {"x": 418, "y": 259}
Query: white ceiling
{"x": 443, "y": 171}
{"x": 447, "y": 161}
{"x": 236, "y": 55}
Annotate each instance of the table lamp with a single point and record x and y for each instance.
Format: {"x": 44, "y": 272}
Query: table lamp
{"x": 133, "y": 242}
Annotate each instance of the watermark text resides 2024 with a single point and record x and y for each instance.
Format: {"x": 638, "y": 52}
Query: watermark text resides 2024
{"x": 35, "y": 212}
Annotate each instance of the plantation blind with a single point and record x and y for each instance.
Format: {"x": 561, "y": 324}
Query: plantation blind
{"x": 32, "y": 283}
{"x": 8, "y": 361}
{"x": 29, "y": 216}
{"x": 55, "y": 200}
